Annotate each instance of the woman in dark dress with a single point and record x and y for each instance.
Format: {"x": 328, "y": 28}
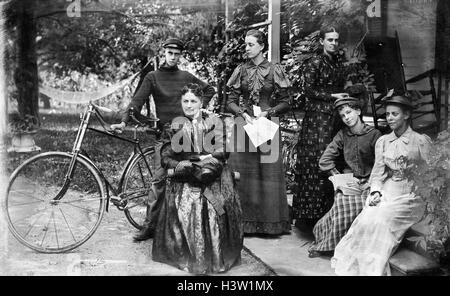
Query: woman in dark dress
{"x": 262, "y": 186}
{"x": 322, "y": 80}
{"x": 200, "y": 224}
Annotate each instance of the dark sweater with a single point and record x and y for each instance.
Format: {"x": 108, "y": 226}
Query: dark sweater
{"x": 165, "y": 86}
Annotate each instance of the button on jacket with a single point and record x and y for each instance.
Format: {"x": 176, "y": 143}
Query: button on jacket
{"x": 358, "y": 151}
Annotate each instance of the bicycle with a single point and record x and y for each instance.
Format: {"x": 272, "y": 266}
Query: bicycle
{"x": 56, "y": 200}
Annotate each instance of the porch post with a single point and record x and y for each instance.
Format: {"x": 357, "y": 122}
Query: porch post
{"x": 274, "y": 31}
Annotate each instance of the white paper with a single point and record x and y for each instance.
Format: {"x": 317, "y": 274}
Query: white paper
{"x": 340, "y": 182}
{"x": 256, "y": 110}
{"x": 261, "y": 130}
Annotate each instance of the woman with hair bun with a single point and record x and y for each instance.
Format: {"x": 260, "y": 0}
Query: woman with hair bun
{"x": 262, "y": 186}
{"x": 322, "y": 80}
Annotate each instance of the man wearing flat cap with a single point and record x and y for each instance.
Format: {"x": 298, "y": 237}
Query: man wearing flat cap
{"x": 165, "y": 86}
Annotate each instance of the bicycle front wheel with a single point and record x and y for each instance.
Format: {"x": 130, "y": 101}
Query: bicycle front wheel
{"x": 136, "y": 187}
{"x": 42, "y": 221}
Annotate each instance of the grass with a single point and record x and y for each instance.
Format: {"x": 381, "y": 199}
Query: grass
{"x": 58, "y": 133}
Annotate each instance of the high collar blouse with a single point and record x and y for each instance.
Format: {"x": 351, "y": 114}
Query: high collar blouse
{"x": 393, "y": 154}
{"x": 265, "y": 85}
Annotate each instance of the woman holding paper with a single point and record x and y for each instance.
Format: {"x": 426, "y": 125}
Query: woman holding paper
{"x": 264, "y": 89}
{"x": 392, "y": 207}
{"x": 356, "y": 143}
{"x": 199, "y": 228}
{"x": 323, "y": 80}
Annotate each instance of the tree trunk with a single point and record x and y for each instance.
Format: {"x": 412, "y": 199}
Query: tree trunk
{"x": 26, "y": 76}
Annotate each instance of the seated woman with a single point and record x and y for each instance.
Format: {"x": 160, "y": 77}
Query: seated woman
{"x": 199, "y": 229}
{"x": 356, "y": 143}
{"x": 391, "y": 208}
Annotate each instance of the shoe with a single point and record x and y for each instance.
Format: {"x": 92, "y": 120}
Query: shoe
{"x": 144, "y": 234}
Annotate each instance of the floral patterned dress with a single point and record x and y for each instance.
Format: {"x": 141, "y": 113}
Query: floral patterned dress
{"x": 322, "y": 76}
{"x": 378, "y": 230}
{"x": 262, "y": 186}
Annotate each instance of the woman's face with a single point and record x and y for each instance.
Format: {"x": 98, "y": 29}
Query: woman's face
{"x": 191, "y": 104}
{"x": 396, "y": 117}
{"x": 330, "y": 42}
{"x": 349, "y": 115}
{"x": 252, "y": 47}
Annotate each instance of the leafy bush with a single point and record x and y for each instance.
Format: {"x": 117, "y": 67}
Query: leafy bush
{"x": 432, "y": 182}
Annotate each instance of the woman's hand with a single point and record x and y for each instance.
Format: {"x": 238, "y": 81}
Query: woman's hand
{"x": 247, "y": 118}
{"x": 373, "y": 199}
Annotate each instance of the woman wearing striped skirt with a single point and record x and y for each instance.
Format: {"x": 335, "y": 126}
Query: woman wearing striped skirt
{"x": 356, "y": 143}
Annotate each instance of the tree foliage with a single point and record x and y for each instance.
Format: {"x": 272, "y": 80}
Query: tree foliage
{"x": 432, "y": 181}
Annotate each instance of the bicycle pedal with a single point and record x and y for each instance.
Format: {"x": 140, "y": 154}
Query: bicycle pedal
{"x": 117, "y": 201}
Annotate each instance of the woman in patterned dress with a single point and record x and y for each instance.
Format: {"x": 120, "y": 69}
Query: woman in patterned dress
{"x": 262, "y": 186}
{"x": 322, "y": 79}
{"x": 200, "y": 223}
{"x": 356, "y": 142}
{"x": 391, "y": 208}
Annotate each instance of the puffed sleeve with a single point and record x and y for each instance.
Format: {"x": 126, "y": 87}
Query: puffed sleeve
{"x": 234, "y": 91}
{"x": 424, "y": 147}
{"x": 379, "y": 173}
{"x": 282, "y": 91}
{"x": 333, "y": 150}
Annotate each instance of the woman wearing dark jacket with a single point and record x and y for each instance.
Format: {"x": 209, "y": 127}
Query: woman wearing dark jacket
{"x": 356, "y": 143}
{"x": 199, "y": 228}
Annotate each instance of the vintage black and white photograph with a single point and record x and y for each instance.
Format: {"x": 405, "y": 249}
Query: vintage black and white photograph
{"x": 250, "y": 138}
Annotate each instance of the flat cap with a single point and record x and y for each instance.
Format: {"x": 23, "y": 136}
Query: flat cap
{"x": 345, "y": 100}
{"x": 174, "y": 43}
{"x": 402, "y": 100}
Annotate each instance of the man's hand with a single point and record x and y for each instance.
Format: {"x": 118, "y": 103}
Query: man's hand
{"x": 118, "y": 127}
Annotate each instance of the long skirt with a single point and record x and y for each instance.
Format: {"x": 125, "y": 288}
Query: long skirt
{"x": 262, "y": 185}
{"x": 377, "y": 231}
{"x": 314, "y": 196}
{"x": 193, "y": 234}
{"x": 333, "y": 226}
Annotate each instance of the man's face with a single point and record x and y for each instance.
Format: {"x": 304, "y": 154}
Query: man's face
{"x": 330, "y": 42}
{"x": 172, "y": 56}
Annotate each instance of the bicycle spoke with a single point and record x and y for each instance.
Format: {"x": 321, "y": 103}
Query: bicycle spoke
{"x": 32, "y": 225}
{"x": 81, "y": 199}
{"x": 23, "y": 204}
{"x": 56, "y": 230}
{"x": 81, "y": 208}
{"x": 68, "y": 226}
{"x": 81, "y": 224}
{"x": 46, "y": 230}
{"x": 23, "y": 194}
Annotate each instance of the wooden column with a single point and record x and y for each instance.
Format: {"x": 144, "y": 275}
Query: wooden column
{"x": 274, "y": 31}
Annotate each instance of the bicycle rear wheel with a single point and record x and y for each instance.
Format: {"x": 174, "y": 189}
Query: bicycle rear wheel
{"x": 47, "y": 225}
{"x": 136, "y": 187}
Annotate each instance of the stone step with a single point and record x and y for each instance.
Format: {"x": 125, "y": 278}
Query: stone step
{"x": 406, "y": 263}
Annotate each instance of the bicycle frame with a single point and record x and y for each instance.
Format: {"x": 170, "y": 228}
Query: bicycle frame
{"x": 78, "y": 152}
